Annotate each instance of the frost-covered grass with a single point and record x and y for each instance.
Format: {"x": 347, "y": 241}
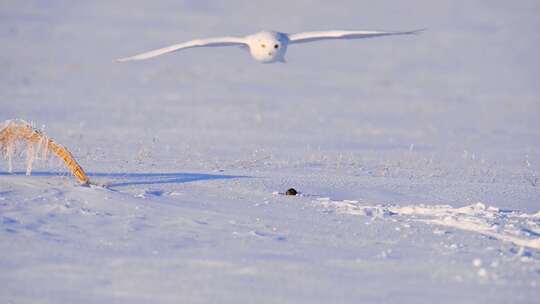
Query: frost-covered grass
{"x": 417, "y": 157}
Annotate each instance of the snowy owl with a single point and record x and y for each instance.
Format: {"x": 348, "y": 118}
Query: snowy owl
{"x": 266, "y": 46}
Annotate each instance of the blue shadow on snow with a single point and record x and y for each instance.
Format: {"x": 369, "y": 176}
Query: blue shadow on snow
{"x": 130, "y": 179}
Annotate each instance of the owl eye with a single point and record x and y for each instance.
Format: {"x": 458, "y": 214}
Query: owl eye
{"x": 263, "y": 45}
{"x": 276, "y": 46}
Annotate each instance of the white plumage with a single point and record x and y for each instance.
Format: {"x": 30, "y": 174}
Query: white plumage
{"x": 266, "y": 46}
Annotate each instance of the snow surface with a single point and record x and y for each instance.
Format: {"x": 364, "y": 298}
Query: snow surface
{"x": 417, "y": 158}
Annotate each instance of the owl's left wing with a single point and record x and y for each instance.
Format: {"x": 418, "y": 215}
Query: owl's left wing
{"x": 324, "y": 35}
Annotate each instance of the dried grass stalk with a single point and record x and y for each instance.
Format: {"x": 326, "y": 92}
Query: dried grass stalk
{"x": 15, "y": 132}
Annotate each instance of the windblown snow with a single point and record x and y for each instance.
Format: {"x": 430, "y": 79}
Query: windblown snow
{"x": 417, "y": 158}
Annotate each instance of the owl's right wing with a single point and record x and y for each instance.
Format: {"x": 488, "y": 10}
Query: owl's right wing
{"x": 209, "y": 42}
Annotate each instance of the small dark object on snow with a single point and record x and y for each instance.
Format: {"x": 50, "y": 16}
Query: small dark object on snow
{"x": 291, "y": 191}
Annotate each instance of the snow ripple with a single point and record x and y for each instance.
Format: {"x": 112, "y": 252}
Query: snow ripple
{"x": 519, "y": 228}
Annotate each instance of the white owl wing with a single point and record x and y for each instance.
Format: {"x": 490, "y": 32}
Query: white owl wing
{"x": 210, "y": 42}
{"x": 323, "y": 35}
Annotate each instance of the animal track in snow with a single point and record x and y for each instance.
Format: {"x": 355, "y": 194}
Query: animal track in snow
{"x": 519, "y": 228}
